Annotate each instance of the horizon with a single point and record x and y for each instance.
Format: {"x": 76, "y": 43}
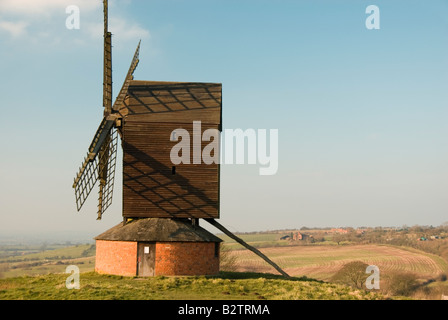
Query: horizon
{"x": 42, "y": 238}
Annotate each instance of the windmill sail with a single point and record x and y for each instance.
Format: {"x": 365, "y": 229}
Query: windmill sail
{"x": 101, "y": 134}
{"x": 84, "y": 175}
{"x": 106, "y": 172}
{"x": 107, "y": 76}
{"x": 85, "y": 181}
{"x": 91, "y": 171}
{"x": 104, "y": 143}
{"x": 124, "y": 89}
{"x": 99, "y": 164}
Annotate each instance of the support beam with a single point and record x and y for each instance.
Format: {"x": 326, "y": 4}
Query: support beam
{"x": 219, "y": 226}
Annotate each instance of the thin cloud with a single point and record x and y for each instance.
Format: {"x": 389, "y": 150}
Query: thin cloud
{"x": 44, "y": 7}
{"x": 15, "y": 29}
{"x": 122, "y": 30}
{"x": 44, "y": 21}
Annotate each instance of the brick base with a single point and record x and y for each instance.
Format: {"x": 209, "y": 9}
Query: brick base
{"x": 186, "y": 258}
{"x": 116, "y": 257}
{"x": 171, "y": 258}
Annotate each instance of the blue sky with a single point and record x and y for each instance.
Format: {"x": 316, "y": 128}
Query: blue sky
{"x": 362, "y": 114}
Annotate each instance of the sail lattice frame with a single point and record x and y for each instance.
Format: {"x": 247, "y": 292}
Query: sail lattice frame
{"x": 89, "y": 175}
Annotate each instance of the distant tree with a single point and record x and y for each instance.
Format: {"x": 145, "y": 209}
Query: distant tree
{"x": 227, "y": 261}
{"x": 352, "y": 274}
{"x": 416, "y": 228}
{"x": 43, "y": 247}
{"x": 442, "y": 277}
{"x": 338, "y": 238}
{"x": 402, "y": 284}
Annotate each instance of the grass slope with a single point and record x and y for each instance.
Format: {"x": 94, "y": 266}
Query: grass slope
{"x": 226, "y": 286}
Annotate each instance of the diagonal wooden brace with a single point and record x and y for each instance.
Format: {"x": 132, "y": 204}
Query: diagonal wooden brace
{"x": 219, "y": 226}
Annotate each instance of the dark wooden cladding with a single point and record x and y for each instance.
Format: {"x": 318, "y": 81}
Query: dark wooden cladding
{"x": 151, "y": 187}
{"x": 173, "y": 102}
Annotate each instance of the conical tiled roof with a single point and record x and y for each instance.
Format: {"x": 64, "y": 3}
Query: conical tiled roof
{"x": 158, "y": 230}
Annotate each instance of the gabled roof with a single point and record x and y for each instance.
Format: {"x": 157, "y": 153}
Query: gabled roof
{"x": 158, "y": 230}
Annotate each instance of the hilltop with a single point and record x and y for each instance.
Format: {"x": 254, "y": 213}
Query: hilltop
{"x": 226, "y": 286}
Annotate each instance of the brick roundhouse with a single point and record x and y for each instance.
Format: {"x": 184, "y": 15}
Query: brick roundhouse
{"x": 153, "y": 246}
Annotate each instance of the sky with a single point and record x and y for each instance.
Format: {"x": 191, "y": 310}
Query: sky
{"x": 361, "y": 113}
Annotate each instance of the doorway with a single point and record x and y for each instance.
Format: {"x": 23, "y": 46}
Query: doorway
{"x": 146, "y": 257}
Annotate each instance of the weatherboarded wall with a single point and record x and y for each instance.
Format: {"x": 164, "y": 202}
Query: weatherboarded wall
{"x": 152, "y": 185}
{"x": 116, "y": 257}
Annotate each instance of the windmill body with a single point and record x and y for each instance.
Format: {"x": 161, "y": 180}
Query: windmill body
{"x": 153, "y": 186}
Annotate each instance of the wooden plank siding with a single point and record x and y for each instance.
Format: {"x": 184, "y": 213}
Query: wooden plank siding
{"x": 173, "y": 102}
{"x": 150, "y": 189}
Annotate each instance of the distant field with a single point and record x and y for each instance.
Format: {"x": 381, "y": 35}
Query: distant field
{"x": 47, "y": 261}
{"x": 258, "y": 240}
{"x": 322, "y": 262}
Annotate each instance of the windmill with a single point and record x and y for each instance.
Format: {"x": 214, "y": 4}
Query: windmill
{"x": 162, "y": 201}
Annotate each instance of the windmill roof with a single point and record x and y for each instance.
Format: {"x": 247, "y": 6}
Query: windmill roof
{"x": 158, "y": 230}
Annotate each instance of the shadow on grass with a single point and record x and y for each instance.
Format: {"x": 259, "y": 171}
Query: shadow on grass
{"x": 230, "y": 275}
{"x": 256, "y": 275}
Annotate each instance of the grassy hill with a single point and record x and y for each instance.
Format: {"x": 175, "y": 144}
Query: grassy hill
{"x": 226, "y": 286}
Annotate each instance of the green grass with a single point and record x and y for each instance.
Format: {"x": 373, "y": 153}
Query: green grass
{"x": 226, "y": 286}
{"x": 258, "y": 240}
{"x": 252, "y": 237}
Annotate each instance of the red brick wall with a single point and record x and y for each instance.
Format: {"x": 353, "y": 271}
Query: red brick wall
{"x": 172, "y": 258}
{"x": 116, "y": 257}
{"x": 186, "y": 258}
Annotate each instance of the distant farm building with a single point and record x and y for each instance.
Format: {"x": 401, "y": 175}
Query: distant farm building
{"x": 296, "y": 236}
